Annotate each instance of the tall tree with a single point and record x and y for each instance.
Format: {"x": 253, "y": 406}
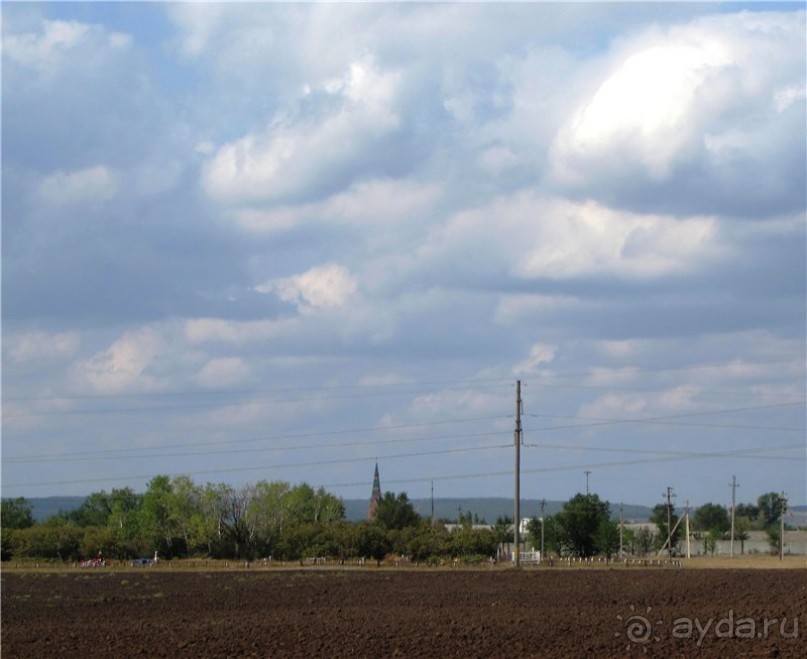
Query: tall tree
{"x": 16, "y": 513}
{"x": 712, "y": 517}
{"x": 396, "y": 512}
{"x": 770, "y": 507}
{"x": 578, "y": 525}
{"x": 155, "y": 516}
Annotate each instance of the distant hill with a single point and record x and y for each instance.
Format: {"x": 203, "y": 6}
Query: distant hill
{"x": 484, "y": 508}
{"x": 488, "y": 508}
{"x": 44, "y": 507}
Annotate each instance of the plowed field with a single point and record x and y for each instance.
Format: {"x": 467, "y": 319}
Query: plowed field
{"x": 416, "y": 613}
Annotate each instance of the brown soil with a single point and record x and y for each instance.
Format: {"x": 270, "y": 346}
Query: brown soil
{"x": 415, "y": 613}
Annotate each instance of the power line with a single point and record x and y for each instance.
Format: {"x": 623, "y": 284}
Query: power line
{"x": 163, "y": 408}
{"x": 229, "y": 392}
{"x": 307, "y": 435}
{"x": 416, "y": 383}
{"x": 737, "y": 453}
{"x": 320, "y": 447}
{"x": 663, "y": 419}
{"x": 317, "y": 463}
{"x": 608, "y": 449}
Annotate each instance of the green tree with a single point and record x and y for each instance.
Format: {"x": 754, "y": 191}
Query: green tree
{"x": 607, "y": 538}
{"x": 396, "y": 512}
{"x": 578, "y": 525}
{"x": 371, "y": 541}
{"x": 503, "y": 529}
{"x": 748, "y": 510}
{"x": 467, "y": 542}
{"x": 55, "y": 540}
{"x": 124, "y": 523}
{"x": 645, "y": 541}
{"x": 155, "y": 514}
{"x": 770, "y": 507}
{"x": 183, "y": 502}
{"x": 659, "y": 518}
{"x": 710, "y": 539}
{"x": 629, "y": 541}
{"x": 94, "y": 511}
{"x": 423, "y": 542}
{"x": 774, "y": 537}
{"x": 742, "y": 525}
{"x": 712, "y": 517}
{"x": 16, "y": 513}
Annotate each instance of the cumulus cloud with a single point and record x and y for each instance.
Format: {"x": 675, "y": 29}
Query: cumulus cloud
{"x": 291, "y": 158}
{"x": 296, "y": 196}
{"x": 39, "y": 345}
{"x": 46, "y": 50}
{"x": 365, "y": 203}
{"x": 329, "y": 286}
{"x": 540, "y": 353}
{"x": 124, "y": 365}
{"x": 680, "y": 103}
{"x": 532, "y": 236}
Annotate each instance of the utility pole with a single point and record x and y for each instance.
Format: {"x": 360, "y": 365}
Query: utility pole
{"x": 621, "y": 526}
{"x": 587, "y": 472}
{"x": 543, "y": 522}
{"x": 670, "y": 496}
{"x": 782, "y": 528}
{"x": 432, "y": 503}
{"x": 687, "y": 528}
{"x": 517, "y": 493}
{"x": 734, "y": 487}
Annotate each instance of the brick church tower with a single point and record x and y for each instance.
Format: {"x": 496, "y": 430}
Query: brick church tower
{"x": 375, "y": 498}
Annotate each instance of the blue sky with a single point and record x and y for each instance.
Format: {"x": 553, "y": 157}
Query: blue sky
{"x": 284, "y": 241}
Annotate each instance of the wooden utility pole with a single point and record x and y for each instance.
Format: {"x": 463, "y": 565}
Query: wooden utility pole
{"x": 621, "y": 526}
{"x": 669, "y": 521}
{"x": 517, "y": 493}
{"x": 543, "y": 522}
{"x": 734, "y": 487}
{"x": 782, "y": 528}
{"x": 687, "y": 528}
{"x": 587, "y": 473}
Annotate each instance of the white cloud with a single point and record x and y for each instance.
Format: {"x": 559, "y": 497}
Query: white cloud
{"x": 531, "y": 236}
{"x": 365, "y": 203}
{"x": 540, "y": 353}
{"x": 673, "y": 96}
{"x": 293, "y": 155}
{"x": 586, "y": 239}
{"x": 47, "y": 50}
{"x": 38, "y": 345}
{"x": 787, "y": 96}
{"x": 327, "y": 286}
{"x": 644, "y": 110}
{"x": 125, "y": 364}
{"x": 96, "y": 183}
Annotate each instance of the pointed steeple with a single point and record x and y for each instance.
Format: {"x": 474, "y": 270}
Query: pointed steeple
{"x": 375, "y": 498}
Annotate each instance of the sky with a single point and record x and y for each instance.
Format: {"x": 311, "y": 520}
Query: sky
{"x": 256, "y": 241}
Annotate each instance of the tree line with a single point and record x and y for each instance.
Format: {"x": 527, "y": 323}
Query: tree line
{"x": 585, "y": 527}
{"x": 179, "y": 519}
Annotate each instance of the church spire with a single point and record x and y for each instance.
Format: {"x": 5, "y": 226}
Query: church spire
{"x": 375, "y": 498}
